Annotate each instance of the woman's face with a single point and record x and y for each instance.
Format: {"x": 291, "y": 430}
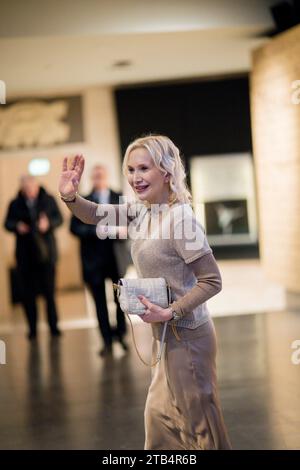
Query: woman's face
{"x": 147, "y": 181}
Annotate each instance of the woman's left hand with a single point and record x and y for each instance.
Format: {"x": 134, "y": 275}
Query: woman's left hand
{"x": 154, "y": 313}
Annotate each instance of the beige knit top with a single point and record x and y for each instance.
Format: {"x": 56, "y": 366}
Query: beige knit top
{"x": 169, "y": 242}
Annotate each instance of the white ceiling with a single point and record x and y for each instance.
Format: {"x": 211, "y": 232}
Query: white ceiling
{"x": 64, "y": 46}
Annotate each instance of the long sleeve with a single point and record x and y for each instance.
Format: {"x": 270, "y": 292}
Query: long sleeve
{"x": 11, "y": 219}
{"x": 106, "y": 214}
{"x": 209, "y": 283}
{"x": 54, "y": 214}
{"x": 82, "y": 230}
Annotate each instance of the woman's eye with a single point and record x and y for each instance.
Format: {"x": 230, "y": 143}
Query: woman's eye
{"x": 142, "y": 168}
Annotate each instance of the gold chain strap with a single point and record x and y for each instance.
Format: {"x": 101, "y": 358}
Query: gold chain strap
{"x": 174, "y": 329}
{"x": 137, "y": 351}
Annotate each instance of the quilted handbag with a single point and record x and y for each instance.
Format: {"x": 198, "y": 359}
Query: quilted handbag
{"x": 154, "y": 289}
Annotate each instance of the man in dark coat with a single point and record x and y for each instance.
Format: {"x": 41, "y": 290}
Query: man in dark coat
{"x": 32, "y": 216}
{"x": 99, "y": 261}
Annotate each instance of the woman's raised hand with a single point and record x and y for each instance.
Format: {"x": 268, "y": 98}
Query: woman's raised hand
{"x": 70, "y": 178}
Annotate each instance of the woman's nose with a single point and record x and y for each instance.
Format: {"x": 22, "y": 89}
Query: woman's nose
{"x": 137, "y": 177}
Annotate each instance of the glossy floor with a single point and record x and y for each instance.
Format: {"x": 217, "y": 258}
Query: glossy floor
{"x": 59, "y": 394}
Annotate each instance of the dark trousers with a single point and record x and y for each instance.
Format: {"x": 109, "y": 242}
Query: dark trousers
{"x": 98, "y": 292}
{"x": 35, "y": 280}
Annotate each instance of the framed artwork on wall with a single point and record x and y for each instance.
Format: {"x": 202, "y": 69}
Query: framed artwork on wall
{"x": 226, "y": 217}
{"x": 224, "y": 201}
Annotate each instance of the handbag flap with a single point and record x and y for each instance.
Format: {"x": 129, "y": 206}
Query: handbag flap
{"x": 154, "y": 289}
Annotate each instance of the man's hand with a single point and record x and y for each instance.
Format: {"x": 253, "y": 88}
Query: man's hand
{"x": 154, "y": 313}
{"x": 43, "y": 223}
{"x": 22, "y": 228}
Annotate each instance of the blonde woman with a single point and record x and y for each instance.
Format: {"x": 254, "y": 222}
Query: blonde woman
{"x": 183, "y": 410}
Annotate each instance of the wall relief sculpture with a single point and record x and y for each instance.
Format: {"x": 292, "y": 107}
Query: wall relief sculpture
{"x": 34, "y": 124}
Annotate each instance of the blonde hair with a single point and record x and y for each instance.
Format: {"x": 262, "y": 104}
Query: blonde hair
{"x": 166, "y": 157}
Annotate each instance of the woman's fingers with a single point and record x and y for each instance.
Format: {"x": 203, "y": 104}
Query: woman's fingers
{"x": 80, "y": 167}
{"x": 145, "y": 301}
{"x": 71, "y": 175}
{"x": 74, "y": 163}
{"x": 77, "y": 166}
{"x": 65, "y": 164}
{"x": 144, "y": 318}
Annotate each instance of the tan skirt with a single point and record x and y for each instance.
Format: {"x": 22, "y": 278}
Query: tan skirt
{"x": 183, "y": 410}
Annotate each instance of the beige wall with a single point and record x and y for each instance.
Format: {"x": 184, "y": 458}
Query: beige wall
{"x": 101, "y": 145}
{"x": 276, "y": 139}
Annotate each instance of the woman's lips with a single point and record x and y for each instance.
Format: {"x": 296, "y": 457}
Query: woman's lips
{"x": 141, "y": 189}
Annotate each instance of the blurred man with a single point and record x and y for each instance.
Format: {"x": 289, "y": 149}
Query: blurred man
{"x": 33, "y": 216}
{"x": 99, "y": 261}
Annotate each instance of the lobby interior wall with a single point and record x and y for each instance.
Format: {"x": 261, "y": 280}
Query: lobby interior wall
{"x": 275, "y": 112}
{"x": 100, "y": 145}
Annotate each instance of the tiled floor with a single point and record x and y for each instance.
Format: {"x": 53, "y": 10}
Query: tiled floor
{"x": 61, "y": 395}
